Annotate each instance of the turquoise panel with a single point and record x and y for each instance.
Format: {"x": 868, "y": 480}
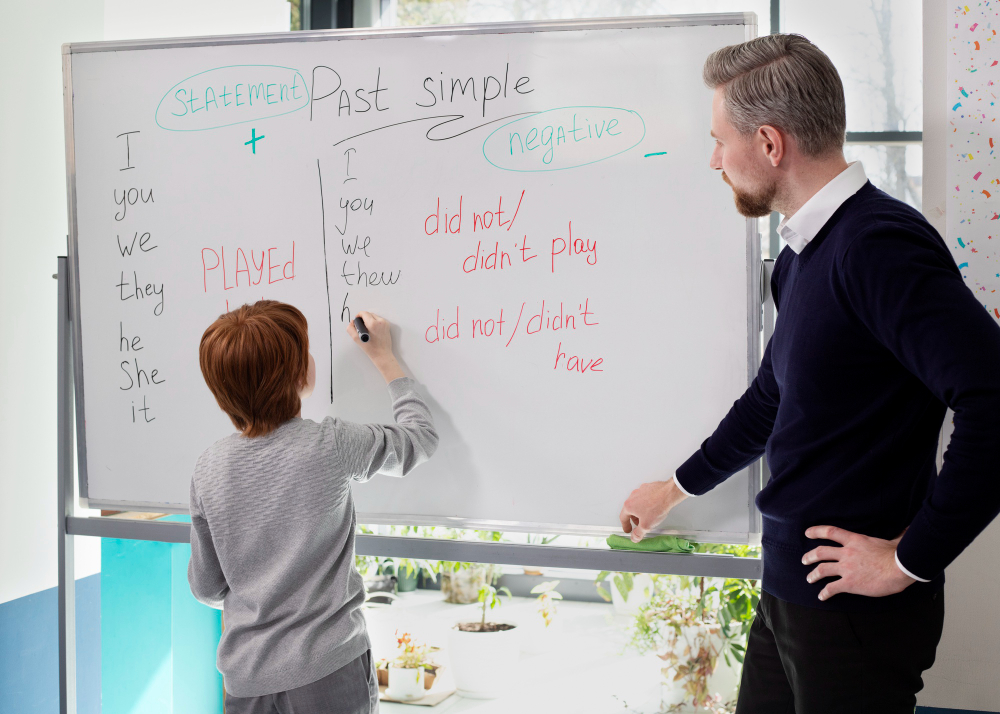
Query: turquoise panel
{"x": 158, "y": 642}
{"x": 196, "y": 632}
{"x": 135, "y": 627}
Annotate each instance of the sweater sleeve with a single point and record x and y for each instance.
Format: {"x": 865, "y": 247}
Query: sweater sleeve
{"x": 205, "y": 576}
{"x": 391, "y": 450}
{"x": 739, "y": 439}
{"x": 907, "y": 291}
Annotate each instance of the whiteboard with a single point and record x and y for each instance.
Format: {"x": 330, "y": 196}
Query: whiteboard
{"x": 530, "y": 205}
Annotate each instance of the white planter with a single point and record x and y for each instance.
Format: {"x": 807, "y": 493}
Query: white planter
{"x": 642, "y": 591}
{"x": 405, "y": 684}
{"x": 483, "y": 663}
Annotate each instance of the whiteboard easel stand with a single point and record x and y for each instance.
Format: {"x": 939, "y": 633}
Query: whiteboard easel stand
{"x": 708, "y": 565}
{"x": 701, "y": 564}
{"x": 64, "y": 469}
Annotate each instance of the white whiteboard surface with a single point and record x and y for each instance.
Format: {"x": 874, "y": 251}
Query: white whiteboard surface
{"x": 667, "y": 301}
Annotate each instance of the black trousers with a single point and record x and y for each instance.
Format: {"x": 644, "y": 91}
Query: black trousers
{"x": 803, "y": 660}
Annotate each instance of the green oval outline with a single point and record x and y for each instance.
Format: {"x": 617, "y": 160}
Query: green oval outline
{"x": 156, "y": 114}
{"x": 564, "y": 168}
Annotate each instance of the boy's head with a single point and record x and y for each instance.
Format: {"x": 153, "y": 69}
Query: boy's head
{"x": 256, "y": 361}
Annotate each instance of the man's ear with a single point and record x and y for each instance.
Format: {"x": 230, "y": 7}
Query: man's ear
{"x": 772, "y": 143}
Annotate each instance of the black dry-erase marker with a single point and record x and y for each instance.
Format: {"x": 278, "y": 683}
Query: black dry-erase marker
{"x": 359, "y": 325}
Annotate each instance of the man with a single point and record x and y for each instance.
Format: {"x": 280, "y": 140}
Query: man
{"x": 876, "y": 334}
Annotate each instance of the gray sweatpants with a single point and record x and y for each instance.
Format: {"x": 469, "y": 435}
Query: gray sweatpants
{"x": 352, "y": 689}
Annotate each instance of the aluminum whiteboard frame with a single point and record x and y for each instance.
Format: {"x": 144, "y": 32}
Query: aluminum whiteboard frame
{"x": 748, "y": 20}
{"x": 709, "y": 565}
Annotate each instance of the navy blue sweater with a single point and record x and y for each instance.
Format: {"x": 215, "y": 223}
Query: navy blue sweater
{"x": 876, "y": 334}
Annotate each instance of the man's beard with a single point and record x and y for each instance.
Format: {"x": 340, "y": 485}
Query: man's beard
{"x": 753, "y": 204}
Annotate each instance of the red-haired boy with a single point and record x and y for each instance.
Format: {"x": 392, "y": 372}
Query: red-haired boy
{"x": 272, "y": 538}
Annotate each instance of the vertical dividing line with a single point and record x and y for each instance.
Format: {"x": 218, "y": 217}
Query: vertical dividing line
{"x": 326, "y": 270}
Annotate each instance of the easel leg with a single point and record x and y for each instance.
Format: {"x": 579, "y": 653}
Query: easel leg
{"x": 67, "y": 581}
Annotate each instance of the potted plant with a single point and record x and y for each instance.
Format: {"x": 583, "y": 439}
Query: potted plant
{"x": 406, "y": 571}
{"x": 406, "y": 673}
{"x": 692, "y": 628}
{"x": 483, "y": 654}
{"x": 461, "y": 582}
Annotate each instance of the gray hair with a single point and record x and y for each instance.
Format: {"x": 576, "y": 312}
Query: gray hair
{"x": 783, "y": 81}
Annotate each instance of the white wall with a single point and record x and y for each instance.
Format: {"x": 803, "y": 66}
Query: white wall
{"x": 139, "y": 19}
{"x": 968, "y": 659}
{"x": 33, "y": 232}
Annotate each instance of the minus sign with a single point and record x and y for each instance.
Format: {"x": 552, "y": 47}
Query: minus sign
{"x": 658, "y": 153}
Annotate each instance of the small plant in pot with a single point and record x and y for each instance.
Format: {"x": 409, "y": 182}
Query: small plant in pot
{"x": 461, "y": 582}
{"x": 407, "y": 672}
{"x": 406, "y": 571}
{"x": 483, "y": 653}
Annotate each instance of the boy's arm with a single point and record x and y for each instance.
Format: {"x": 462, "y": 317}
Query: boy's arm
{"x": 392, "y": 450}
{"x": 205, "y": 576}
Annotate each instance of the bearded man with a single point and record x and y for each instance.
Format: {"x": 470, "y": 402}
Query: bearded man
{"x": 876, "y": 336}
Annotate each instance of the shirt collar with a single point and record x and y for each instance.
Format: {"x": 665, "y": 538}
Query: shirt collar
{"x": 800, "y": 228}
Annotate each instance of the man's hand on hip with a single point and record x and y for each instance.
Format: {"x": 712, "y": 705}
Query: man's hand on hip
{"x": 648, "y": 505}
{"x": 865, "y": 565}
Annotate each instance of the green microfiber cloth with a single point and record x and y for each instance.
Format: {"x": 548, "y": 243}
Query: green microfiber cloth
{"x": 652, "y": 544}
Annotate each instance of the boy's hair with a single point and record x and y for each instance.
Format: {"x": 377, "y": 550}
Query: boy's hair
{"x": 784, "y": 81}
{"x": 255, "y": 360}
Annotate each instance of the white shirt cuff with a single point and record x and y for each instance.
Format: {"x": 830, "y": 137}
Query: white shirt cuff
{"x": 907, "y": 572}
{"x": 684, "y": 490}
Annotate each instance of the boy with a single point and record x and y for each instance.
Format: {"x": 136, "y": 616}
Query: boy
{"x": 272, "y": 537}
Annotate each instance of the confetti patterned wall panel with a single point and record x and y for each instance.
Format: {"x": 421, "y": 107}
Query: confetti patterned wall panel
{"x": 973, "y": 142}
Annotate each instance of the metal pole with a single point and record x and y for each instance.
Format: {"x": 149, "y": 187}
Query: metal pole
{"x": 767, "y": 269}
{"x": 64, "y": 474}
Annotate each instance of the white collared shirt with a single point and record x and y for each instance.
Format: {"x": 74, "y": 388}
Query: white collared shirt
{"x": 800, "y": 228}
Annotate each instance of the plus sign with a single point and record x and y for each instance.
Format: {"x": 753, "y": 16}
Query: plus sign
{"x": 253, "y": 140}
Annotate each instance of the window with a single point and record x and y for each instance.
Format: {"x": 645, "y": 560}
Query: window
{"x": 443, "y": 12}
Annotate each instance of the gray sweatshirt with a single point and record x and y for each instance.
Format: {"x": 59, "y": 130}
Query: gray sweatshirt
{"x": 272, "y": 540}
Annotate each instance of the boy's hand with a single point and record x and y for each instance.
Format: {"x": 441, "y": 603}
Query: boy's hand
{"x": 379, "y": 347}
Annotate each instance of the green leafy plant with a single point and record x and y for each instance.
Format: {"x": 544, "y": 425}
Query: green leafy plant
{"x": 623, "y": 583}
{"x": 490, "y": 597}
{"x": 547, "y": 596}
{"x": 411, "y": 566}
{"x": 541, "y": 539}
